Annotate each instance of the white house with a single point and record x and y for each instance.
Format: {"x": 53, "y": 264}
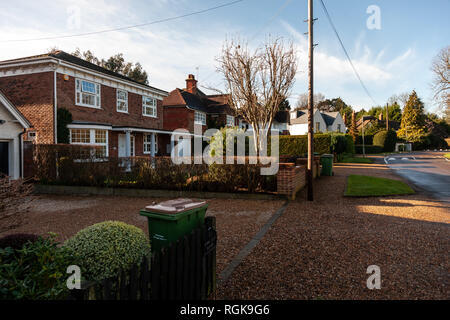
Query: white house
{"x": 12, "y": 125}
{"x": 323, "y": 122}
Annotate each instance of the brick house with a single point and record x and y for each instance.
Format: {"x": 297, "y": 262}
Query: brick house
{"x": 190, "y": 107}
{"x": 109, "y": 110}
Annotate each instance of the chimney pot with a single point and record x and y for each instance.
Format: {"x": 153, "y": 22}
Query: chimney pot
{"x": 191, "y": 84}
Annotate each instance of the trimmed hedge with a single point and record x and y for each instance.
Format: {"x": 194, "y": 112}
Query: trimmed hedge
{"x": 298, "y": 145}
{"x": 386, "y": 140}
{"x": 350, "y": 145}
{"x": 370, "y": 149}
{"x": 368, "y": 139}
{"x": 105, "y": 248}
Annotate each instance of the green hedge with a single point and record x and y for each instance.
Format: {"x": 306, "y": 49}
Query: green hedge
{"x": 350, "y": 145}
{"x": 386, "y": 140}
{"x": 368, "y": 139}
{"x": 298, "y": 145}
{"x": 370, "y": 149}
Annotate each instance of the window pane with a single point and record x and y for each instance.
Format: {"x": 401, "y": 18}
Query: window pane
{"x": 80, "y": 136}
{"x": 88, "y": 87}
{"x": 100, "y": 136}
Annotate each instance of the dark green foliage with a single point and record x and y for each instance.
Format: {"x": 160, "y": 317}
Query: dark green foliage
{"x": 298, "y": 145}
{"x": 17, "y": 241}
{"x": 338, "y": 144}
{"x": 284, "y": 105}
{"x": 368, "y": 139}
{"x": 370, "y": 149}
{"x": 37, "y": 271}
{"x": 386, "y": 140}
{"x": 64, "y": 117}
{"x": 350, "y": 145}
{"x": 161, "y": 173}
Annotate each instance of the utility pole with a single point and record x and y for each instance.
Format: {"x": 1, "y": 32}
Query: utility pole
{"x": 309, "y": 171}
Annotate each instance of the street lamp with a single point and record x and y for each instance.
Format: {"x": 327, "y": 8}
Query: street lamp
{"x": 364, "y": 147}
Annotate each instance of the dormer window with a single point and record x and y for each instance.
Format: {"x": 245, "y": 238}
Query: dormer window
{"x": 87, "y": 93}
{"x": 122, "y": 101}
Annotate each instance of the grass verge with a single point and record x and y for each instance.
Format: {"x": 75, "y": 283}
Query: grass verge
{"x": 447, "y": 155}
{"x": 356, "y": 160}
{"x": 365, "y": 186}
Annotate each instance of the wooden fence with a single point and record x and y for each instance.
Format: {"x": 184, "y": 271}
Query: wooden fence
{"x": 186, "y": 270}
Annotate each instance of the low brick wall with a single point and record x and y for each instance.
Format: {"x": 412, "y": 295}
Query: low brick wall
{"x": 290, "y": 179}
{"x": 316, "y": 165}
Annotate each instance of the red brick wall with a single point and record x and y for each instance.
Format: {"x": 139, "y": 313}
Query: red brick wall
{"x": 179, "y": 118}
{"x": 290, "y": 179}
{"x": 107, "y": 114}
{"x": 32, "y": 94}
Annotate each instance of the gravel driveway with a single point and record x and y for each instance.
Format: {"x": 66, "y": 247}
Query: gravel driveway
{"x": 321, "y": 250}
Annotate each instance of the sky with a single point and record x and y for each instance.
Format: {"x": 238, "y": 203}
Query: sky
{"x": 392, "y": 51}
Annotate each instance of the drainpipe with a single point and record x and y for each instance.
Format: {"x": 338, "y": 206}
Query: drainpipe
{"x": 55, "y": 103}
{"x": 21, "y": 153}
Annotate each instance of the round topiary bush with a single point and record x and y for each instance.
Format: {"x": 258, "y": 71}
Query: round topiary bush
{"x": 386, "y": 140}
{"x": 105, "y": 248}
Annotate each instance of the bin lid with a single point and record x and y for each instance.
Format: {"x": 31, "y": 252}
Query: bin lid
{"x": 175, "y": 206}
{"x": 327, "y": 156}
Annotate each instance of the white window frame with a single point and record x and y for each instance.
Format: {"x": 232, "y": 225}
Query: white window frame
{"x": 118, "y": 100}
{"x": 230, "y": 119}
{"x": 200, "y": 118}
{"x": 92, "y": 139}
{"x": 146, "y": 107}
{"x": 149, "y": 143}
{"x": 79, "y": 94}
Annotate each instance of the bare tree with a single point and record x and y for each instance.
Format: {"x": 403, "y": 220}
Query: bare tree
{"x": 302, "y": 102}
{"x": 399, "y": 99}
{"x": 258, "y": 81}
{"x": 441, "y": 80}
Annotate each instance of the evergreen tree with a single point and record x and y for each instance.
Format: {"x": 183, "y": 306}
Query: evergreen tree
{"x": 413, "y": 119}
{"x": 353, "y": 129}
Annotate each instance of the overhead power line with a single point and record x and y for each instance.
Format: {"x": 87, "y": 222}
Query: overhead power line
{"x": 346, "y": 53}
{"x": 126, "y": 27}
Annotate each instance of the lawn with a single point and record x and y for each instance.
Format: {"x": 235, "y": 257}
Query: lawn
{"x": 365, "y": 186}
{"x": 447, "y": 155}
{"x": 356, "y": 160}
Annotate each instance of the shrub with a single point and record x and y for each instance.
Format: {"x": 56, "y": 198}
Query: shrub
{"x": 105, "y": 248}
{"x": 368, "y": 139}
{"x": 350, "y": 145}
{"x": 17, "y": 241}
{"x": 37, "y": 271}
{"x": 298, "y": 145}
{"x": 386, "y": 140}
{"x": 368, "y": 148}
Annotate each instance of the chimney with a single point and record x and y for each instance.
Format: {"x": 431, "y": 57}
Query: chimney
{"x": 191, "y": 84}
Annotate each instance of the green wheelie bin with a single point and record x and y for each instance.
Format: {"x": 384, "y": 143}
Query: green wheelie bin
{"x": 326, "y": 160}
{"x": 170, "y": 220}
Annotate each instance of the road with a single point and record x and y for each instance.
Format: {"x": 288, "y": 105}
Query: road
{"x": 427, "y": 170}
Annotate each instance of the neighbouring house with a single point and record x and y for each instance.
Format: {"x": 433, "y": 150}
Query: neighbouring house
{"x": 280, "y": 123}
{"x": 121, "y": 116}
{"x": 190, "y": 107}
{"x": 323, "y": 122}
{"x": 370, "y": 121}
{"x": 12, "y": 129}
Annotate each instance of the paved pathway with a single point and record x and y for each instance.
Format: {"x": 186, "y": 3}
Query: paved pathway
{"x": 427, "y": 170}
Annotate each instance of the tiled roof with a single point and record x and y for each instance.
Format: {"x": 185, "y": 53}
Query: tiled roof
{"x": 61, "y": 55}
{"x": 200, "y": 102}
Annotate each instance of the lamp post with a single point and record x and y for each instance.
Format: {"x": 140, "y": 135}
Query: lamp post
{"x": 364, "y": 147}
